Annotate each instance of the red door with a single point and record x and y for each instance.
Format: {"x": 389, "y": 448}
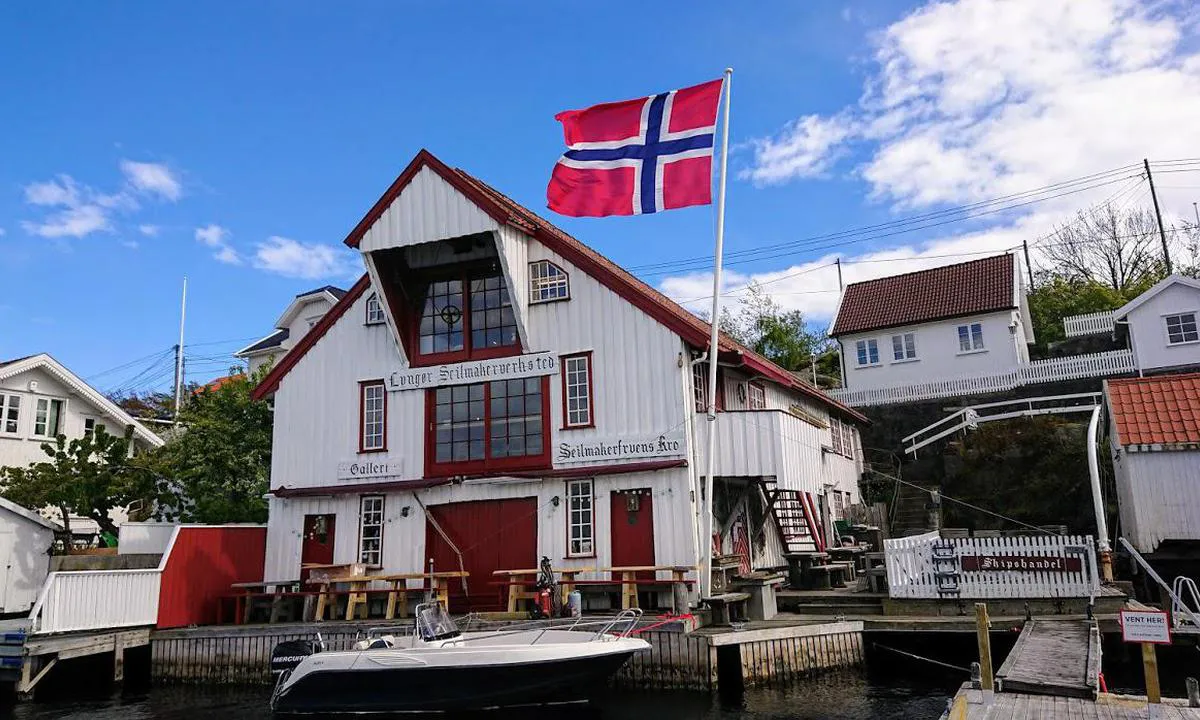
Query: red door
{"x": 317, "y": 547}
{"x": 491, "y": 535}
{"x": 632, "y": 529}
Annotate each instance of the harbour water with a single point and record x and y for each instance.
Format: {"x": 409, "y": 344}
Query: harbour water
{"x": 834, "y": 696}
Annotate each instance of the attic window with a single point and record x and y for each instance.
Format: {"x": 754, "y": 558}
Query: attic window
{"x": 547, "y": 282}
{"x": 374, "y": 310}
{"x": 1181, "y": 328}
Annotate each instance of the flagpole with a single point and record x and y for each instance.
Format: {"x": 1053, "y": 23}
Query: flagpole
{"x": 715, "y": 321}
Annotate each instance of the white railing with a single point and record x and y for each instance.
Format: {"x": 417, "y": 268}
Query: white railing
{"x": 1098, "y": 323}
{"x": 1102, "y": 364}
{"x": 96, "y": 599}
{"x": 1052, "y": 566}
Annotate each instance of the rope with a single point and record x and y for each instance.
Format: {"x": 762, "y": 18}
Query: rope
{"x": 967, "y": 504}
{"x": 667, "y": 620}
{"x": 928, "y": 660}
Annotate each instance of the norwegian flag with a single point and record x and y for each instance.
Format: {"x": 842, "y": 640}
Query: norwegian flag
{"x": 637, "y": 156}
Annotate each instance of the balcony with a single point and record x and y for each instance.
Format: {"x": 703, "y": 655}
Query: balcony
{"x": 764, "y": 443}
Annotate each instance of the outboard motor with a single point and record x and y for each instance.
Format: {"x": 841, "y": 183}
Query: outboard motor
{"x": 287, "y": 655}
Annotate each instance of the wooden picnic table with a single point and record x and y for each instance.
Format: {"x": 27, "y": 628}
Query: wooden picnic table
{"x": 629, "y": 580}
{"x": 244, "y": 602}
{"x": 518, "y": 585}
{"x": 397, "y": 595}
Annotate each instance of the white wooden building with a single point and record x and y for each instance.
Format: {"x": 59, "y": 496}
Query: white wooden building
{"x": 955, "y": 321}
{"x": 25, "y": 542}
{"x": 301, "y": 314}
{"x": 513, "y": 394}
{"x": 1161, "y": 325}
{"x": 1154, "y": 429}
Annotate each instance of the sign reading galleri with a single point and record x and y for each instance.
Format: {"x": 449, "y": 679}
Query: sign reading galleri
{"x": 505, "y": 368}
{"x": 657, "y": 447}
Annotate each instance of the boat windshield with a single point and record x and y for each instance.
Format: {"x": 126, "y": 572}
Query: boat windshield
{"x": 434, "y": 623}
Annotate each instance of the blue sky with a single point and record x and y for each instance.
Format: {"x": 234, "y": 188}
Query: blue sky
{"x": 238, "y": 143}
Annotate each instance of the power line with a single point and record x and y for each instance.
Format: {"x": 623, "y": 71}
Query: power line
{"x": 123, "y": 366}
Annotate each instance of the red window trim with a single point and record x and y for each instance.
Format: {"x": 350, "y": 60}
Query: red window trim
{"x": 362, "y": 392}
{"x": 466, "y": 273}
{"x": 453, "y": 469}
{"x": 567, "y": 518}
{"x": 591, "y": 423}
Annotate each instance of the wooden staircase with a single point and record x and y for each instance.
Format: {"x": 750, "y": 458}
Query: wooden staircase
{"x": 794, "y": 515}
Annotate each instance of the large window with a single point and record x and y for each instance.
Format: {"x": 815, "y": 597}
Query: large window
{"x": 581, "y": 519}
{"x": 842, "y": 437}
{"x": 374, "y": 310}
{"x": 758, "y": 397}
{"x": 372, "y": 416}
{"x": 467, "y": 317}
{"x": 47, "y": 419}
{"x": 867, "y": 352}
{"x": 370, "y": 529}
{"x": 970, "y": 337}
{"x": 547, "y": 282}
{"x": 1181, "y": 328}
{"x": 904, "y": 347}
{"x": 500, "y": 423}
{"x": 10, "y": 414}
{"x": 577, "y": 391}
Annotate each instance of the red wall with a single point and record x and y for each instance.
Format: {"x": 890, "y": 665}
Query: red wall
{"x": 203, "y": 563}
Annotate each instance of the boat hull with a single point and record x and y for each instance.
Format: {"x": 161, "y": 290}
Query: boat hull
{"x": 449, "y": 688}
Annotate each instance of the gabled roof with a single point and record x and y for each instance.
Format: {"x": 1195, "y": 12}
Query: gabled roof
{"x": 87, "y": 392}
{"x": 333, "y": 290}
{"x": 1156, "y": 289}
{"x": 508, "y": 212}
{"x": 950, "y": 291}
{"x": 1159, "y": 410}
{"x": 29, "y": 515}
{"x": 328, "y": 292}
{"x": 270, "y": 342}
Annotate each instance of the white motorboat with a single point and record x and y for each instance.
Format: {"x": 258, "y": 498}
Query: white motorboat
{"x": 439, "y": 669}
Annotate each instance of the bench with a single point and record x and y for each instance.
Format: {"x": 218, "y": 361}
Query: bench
{"x": 727, "y": 607}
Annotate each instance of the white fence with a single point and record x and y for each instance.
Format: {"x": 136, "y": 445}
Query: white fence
{"x": 1103, "y": 364}
{"x": 1098, "y": 323}
{"x": 1049, "y": 566}
{"x": 93, "y": 599}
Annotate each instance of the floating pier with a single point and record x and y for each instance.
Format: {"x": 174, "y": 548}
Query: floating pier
{"x": 971, "y": 704}
{"x": 1054, "y": 657}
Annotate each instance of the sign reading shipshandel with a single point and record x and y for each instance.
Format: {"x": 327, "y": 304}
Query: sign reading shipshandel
{"x": 505, "y": 368}
{"x": 625, "y": 448}
{"x": 1025, "y": 563}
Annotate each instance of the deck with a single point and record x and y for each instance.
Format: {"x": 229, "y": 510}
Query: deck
{"x": 1053, "y": 657}
{"x": 968, "y": 704}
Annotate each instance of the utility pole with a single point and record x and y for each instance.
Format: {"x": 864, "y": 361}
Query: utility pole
{"x": 1162, "y": 234}
{"x": 1197, "y": 211}
{"x": 1028, "y": 265}
{"x": 838, "y": 262}
{"x": 179, "y": 353}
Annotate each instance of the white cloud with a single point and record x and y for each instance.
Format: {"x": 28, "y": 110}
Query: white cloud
{"x": 153, "y": 179}
{"x": 292, "y": 258}
{"x": 131, "y": 244}
{"x": 216, "y": 237}
{"x": 59, "y": 191}
{"x": 149, "y": 230}
{"x": 804, "y": 148}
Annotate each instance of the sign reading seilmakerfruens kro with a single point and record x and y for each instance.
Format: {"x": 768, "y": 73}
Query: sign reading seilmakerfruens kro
{"x": 505, "y": 368}
{"x": 657, "y": 447}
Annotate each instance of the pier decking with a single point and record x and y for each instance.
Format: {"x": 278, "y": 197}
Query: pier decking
{"x": 969, "y": 704}
{"x": 1054, "y": 657}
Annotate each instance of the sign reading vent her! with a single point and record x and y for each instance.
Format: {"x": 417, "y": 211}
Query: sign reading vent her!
{"x": 656, "y": 447}
{"x": 1021, "y": 563}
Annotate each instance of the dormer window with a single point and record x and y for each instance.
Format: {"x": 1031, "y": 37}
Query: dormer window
{"x": 374, "y": 310}
{"x": 466, "y": 317}
{"x": 547, "y": 282}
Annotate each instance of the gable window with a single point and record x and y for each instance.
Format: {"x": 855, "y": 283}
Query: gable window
{"x": 467, "y": 317}
{"x": 47, "y": 418}
{"x": 374, "y": 310}
{"x": 842, "y": 437}
{"x": 89, "y": 427}
{"x": 547, "y": 282}
{"x": 498, "y": 424}
{"x": 10, "y": 414}
{"x": 757, "y": 397}
{"x": 970, "y": 337}
{"x": 372, "y": 421}
{"x": 867, "y": 351}
{"x": 904, "y": 347}
{"x": 700, "y": 388}
{"x": 370, "y": 529}
{"x": 581, "y": 519}
{"x": 1181, "y": 328}
{"x": 577, "y": 391}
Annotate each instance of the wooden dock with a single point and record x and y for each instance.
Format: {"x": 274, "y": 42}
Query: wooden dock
{"x": 969, "y": 704}
{"x": 1053, "y": 657}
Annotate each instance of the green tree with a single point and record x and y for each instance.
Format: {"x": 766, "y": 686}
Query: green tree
{"x": 782, "y": 336}
{"x": 217, "y": 466}
{"x": 1057, "y": 297}
{"x": 88, "y": 476}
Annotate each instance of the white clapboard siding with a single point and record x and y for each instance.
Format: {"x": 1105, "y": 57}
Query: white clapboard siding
{"x": 1102, "y": 364}
{"x": 428, "y": 209}
{"x": 911, "y": 567}
{"x": 1098, "y": 323}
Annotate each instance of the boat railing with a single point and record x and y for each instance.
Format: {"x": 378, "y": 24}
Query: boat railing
{"x": 631, "y": 616}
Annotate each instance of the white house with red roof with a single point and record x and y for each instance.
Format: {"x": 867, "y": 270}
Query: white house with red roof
{"x": 1154, "y": 432}
{"x": 522, "y": 396}
{"x": 966, "y": 319}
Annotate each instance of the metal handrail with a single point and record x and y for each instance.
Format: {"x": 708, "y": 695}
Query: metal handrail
{"x": 1184, "y": 584}
{"x": 1155, "y": 576}
{"x": 630, "y": 615}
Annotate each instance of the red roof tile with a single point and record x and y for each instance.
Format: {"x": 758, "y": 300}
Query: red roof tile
{"x": 1160, "y": 410}
{"x": 969, "y": 288}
